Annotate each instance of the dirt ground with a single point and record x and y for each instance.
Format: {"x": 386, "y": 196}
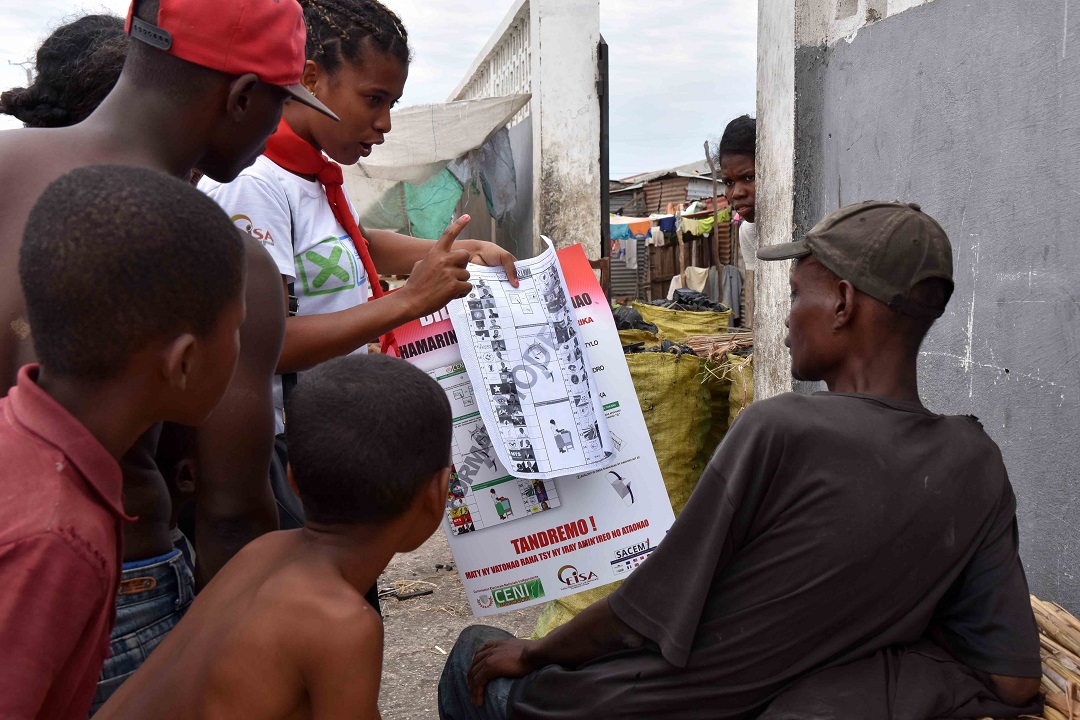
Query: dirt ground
{"x": 416, "y": 629}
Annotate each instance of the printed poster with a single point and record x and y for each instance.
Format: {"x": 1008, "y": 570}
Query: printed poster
{"x": 520, "y": 541}
{"x": 530, "y": 370}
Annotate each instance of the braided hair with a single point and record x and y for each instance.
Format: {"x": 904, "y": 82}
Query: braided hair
{"x": 77, "y": 66}
{"x": 337, "y": 29}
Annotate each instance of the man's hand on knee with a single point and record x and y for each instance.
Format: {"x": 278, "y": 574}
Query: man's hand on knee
{"x": 596, "y": 631}
{"x": 504, "y": 658}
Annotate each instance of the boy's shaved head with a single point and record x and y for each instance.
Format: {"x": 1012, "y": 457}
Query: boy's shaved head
{"x": 151, "y": 68}
{"x": 115, "y": 257}
{"x": 366, "y": 432}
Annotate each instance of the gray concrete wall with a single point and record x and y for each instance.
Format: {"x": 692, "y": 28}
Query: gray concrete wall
{"x": 973, "y": 110}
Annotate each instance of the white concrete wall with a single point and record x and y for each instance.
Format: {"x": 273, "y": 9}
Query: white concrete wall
{"x": 846, "y": 17}
{"x": 504, "y": 66}
{"x": 558, "y": 41}
{"x": 566, "y": 122}
{"x": 775, "y": 203}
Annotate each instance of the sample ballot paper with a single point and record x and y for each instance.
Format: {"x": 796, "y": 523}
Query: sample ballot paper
{"x": 530, "y": 368}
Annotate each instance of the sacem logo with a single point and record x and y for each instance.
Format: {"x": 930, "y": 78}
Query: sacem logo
{"x": 571, "y": 577}
{"x": 641, "y": 548}
{"x": 628, "y": 558}
{"x": 518, "y": 593}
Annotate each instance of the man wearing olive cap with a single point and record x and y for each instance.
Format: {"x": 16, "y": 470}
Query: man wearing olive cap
{"x": 848, "y": 554}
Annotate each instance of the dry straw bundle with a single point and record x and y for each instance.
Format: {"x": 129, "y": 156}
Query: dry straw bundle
{"x": 1059, "y": 635}
{"x": 717, "y": 347}
{"x": 729, "y": 376}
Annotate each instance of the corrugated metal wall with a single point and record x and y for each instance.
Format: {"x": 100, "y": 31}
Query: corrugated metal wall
{"x": 700, "y": 189}
{"x": 626, "y": 282}
{"x": 661, "y": 192}
{"x": 656, "y": 195}
{"x": 631, "y": 204}
{"x": 620, "y": 200}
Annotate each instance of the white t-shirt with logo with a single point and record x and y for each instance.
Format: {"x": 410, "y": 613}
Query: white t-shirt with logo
{"x": 292, "y": 219}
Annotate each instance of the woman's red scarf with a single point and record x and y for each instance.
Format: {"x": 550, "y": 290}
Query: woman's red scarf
{"x": 290, "y": 151}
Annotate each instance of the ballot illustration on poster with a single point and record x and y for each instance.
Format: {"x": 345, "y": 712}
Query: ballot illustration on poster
{"x": 483, "y": 492}
{"x": 521, "y": 346}
{"x": 519, "y": 538}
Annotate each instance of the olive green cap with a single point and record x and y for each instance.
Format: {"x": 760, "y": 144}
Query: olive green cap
{"x": 884, "y": 249}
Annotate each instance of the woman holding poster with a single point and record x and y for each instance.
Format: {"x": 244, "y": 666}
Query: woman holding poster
{"x": 293, "y": 201}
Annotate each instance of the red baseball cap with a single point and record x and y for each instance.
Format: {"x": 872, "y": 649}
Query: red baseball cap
{"x": 265, "y": 37}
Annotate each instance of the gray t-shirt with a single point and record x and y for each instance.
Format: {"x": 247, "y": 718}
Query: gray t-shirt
{"x": 825, "y": 528}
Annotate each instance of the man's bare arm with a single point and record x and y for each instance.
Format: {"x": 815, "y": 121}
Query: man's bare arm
{"x": 234, "y": 502}
{"x": 1014, "y": 690}
{"x": 595, "y": 632}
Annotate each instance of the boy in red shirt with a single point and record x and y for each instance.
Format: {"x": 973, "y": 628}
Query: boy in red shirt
{"x": 125, "y": 341}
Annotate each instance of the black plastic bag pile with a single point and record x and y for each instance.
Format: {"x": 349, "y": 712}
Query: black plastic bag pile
{"x": 627, "y": 318}
{"x": 691, "y": 300}
{"x": 665, "y": 346}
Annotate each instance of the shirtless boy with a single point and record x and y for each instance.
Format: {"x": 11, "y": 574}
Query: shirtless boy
{"x": 284, "y": 630}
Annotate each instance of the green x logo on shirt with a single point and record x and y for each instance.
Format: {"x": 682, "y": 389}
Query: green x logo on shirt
{"x": 328, "y": 267}
{"x": 326, "y": 274}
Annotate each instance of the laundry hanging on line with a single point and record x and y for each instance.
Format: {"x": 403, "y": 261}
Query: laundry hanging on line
{"x": 624, "y": 236}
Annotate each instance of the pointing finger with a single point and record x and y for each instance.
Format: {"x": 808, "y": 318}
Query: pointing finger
{"x": 511, "y": 269}
{"x": 446, "y": 240}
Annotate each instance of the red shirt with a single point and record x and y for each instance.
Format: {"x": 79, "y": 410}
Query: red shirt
{"x": 61, "y": 517}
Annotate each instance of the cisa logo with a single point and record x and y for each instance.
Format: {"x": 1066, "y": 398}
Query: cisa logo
{"x": 244, "y": 223}
{"x": 571, "y": 577}
{"x": 485, "y": 601}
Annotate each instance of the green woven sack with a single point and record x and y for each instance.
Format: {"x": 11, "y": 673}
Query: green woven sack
{"x": 561, "y": 611}
{"x": 677, "y": 413}
{"x": 629, "y": 337}
{"x": 678, "y": 325}
{"x": 742, "y": 385}
{"x": 716, "y": 378}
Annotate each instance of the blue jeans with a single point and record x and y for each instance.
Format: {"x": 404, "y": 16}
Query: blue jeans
{"x": 154, "y": 594}
{"x": 454, "y": 700}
